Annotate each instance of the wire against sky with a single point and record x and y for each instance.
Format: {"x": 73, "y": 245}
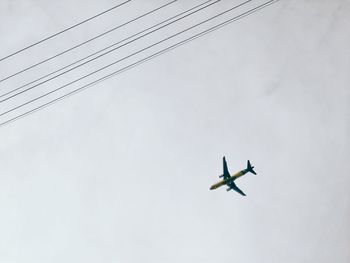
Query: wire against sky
{"x": 85, "y": 42}
{"x": 65, "y": 30}
{"x": 101, "y": 50}
{"x": 88, "y": 61}
{"x": 122, "y": 59}
{"x": 180, "y": 43}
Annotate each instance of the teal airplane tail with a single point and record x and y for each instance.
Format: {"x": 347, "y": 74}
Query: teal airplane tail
{"x": 250, "y": 168}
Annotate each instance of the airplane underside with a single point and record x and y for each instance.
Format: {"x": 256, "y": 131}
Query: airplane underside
{"x": 229, "y": 180}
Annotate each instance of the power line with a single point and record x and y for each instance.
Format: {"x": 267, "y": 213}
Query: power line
{"x": 64, "y": 30}
{"x": 88, "y": 61}
{"x": 101, "y": 50}
{"x": 205, "y": 32}
{"x": 85, "y": 42}
{"x": 126, "y": 57}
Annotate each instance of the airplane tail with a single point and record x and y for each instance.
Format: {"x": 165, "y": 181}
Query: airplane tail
{"x": 250, "y": 168}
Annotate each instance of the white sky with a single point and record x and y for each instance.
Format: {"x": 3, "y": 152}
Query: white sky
{"x": 121, "y": 172}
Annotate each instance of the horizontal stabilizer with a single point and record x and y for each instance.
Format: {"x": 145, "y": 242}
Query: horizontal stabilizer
{"x": 250, "y": 168}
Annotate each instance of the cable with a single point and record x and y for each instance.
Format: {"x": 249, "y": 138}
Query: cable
{"x": 64, "y": 30}
{"x": 85, "y": 42}
{"x": 126, "y": 57}
{"x": 205, "y": 32}
{"x": 95, "y": 53}
{"x": 88, "y": 61}
{"x": 101, "y": 50}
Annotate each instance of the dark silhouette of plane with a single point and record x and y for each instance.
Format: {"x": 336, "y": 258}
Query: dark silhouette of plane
{"x": 229, "y": 180}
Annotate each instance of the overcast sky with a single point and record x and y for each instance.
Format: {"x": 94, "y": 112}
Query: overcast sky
{"x": 121, "y": 171}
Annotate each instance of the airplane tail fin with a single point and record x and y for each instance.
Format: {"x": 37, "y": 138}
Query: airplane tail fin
{"x": 250, "y": 168}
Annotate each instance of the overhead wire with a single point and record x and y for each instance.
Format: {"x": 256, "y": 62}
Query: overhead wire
{"x": 85, "y": 42}
{"x": 64, "y": 30}
{"x": 156, "y": 54}
{"x": 99, "y": 51}
{"x": 124, "y": 58}
{"x": 116, "y": 48}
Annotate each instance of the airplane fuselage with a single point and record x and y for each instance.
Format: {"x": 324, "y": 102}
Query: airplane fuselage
{"x": 232, "y": 178}
{"x": 229, "y": 179}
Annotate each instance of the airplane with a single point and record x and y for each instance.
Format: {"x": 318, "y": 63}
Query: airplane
{"x": 229, "y": 180}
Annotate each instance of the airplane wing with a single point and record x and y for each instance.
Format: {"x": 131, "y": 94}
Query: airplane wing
{"x": 226, "y": 172}
{"x": 233, "y": 186}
